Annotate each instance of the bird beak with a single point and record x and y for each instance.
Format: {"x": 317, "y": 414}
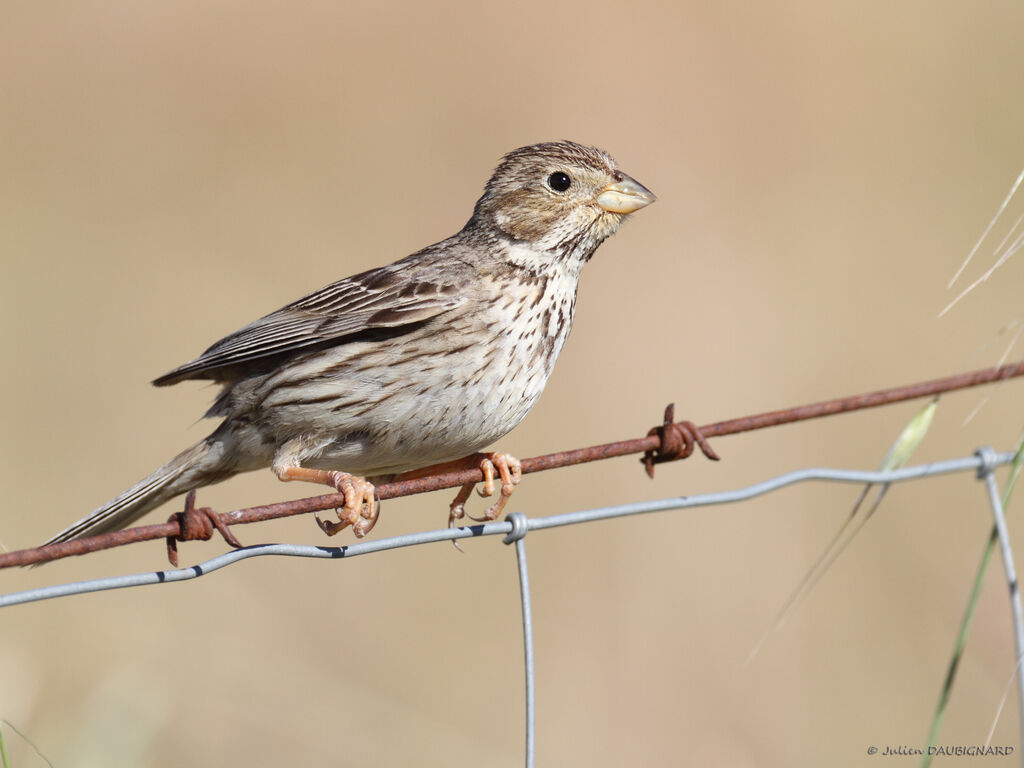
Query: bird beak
{"x": 625, "y": 196}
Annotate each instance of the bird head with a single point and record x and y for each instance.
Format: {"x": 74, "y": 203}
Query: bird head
{"x": 559, "y": 197}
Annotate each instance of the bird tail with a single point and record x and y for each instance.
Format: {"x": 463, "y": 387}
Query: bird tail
{"x": 202, "y": 464}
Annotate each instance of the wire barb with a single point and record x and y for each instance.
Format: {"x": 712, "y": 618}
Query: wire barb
{"x": 196, "y": 525}
{"x": 676, "y": 440}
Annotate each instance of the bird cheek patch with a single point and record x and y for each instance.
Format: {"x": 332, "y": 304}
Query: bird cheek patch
{"x": 520, "y": 215}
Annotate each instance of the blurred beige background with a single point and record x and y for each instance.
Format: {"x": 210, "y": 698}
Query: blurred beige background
{"x": 172, "y": 171}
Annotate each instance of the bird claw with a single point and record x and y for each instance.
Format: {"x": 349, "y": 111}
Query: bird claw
{"x": 502, "y": 465}
{"x": 361, "y": 508}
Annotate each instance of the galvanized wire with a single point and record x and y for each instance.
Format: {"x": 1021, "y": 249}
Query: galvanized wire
{"x": 985, "y": 473}
{"x": 517, "y": 536}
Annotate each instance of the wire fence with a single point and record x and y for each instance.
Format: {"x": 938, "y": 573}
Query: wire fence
{"x": 669, "y": 441}
{"x": 516, "y": 526}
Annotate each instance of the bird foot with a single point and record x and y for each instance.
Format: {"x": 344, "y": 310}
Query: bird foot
{"x": 361, "y": 508}
{"x": 506, "y": 467}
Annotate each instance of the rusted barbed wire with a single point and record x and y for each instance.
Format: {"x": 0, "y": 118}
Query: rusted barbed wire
{"x": 667, "y": 442}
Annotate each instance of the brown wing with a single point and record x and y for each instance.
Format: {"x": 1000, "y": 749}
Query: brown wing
{"x": 386, "y": 297}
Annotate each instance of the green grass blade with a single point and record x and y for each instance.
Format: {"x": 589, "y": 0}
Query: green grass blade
{"x": 24, "y": 738}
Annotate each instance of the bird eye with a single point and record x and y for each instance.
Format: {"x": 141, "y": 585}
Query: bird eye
{"x": 559, "y": 181}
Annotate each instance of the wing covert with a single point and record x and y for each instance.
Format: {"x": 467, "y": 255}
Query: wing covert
{"x": 381, "y": 298}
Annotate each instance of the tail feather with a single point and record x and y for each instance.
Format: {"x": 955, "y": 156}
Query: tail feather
{"x": 197, "y": 466}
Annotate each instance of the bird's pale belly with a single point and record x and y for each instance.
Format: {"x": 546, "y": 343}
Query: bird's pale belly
{"x": 369, "y": 415}
{"x": 404, "y": 423}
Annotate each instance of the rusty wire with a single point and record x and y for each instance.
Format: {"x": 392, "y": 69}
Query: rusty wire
{"x": 669, "y": 441}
